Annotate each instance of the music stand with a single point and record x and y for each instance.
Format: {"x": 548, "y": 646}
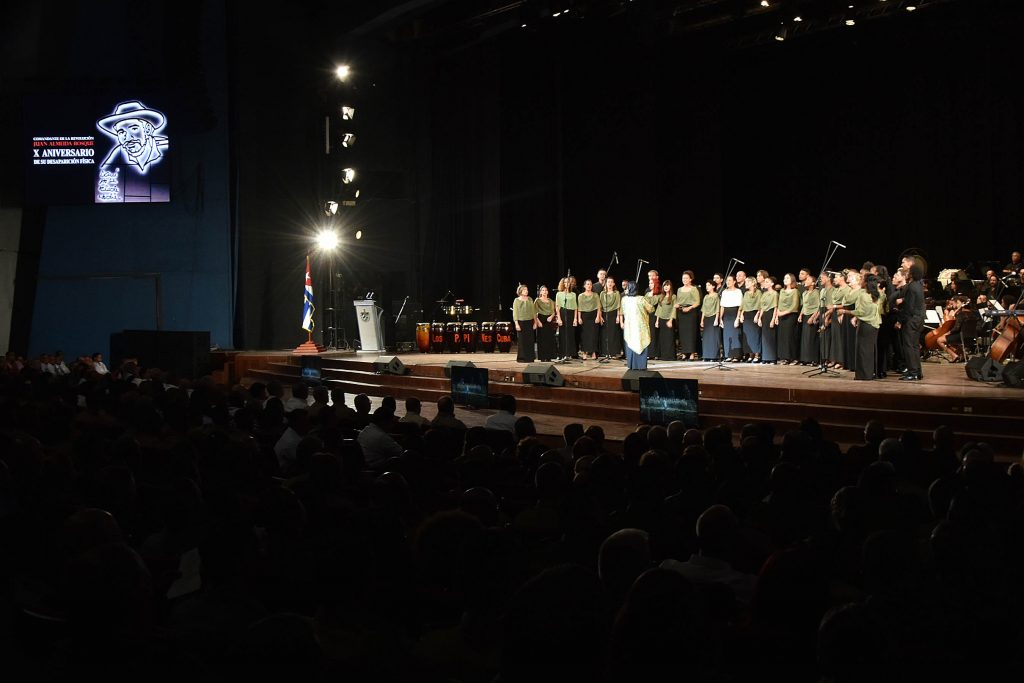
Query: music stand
{"x": 822, "y": 370}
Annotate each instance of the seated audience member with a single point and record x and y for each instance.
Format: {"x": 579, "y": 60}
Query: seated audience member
{"x": 623, "y": 557}
{"x": 524, "y": 428}
{"x": 362, "y": 404}
{"x": 284, "y": 449}
{"x": 98, "y": 366}
{"x": 46, "y": 365}
{"x": 299, "y": 399}
{"x": 412, "y": 413}
{"x": 718, "y": 531}
{"x": 59, "y": 365}
{"x": 322, "y": 399}
{"x": 377, "y": 444}
{"x": 505, "y": 418}
{"x": 446, "y": 415}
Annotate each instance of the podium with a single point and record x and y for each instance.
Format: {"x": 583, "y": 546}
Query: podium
{"x": 371, "y": 334}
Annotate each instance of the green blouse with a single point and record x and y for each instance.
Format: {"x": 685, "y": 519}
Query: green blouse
{"x": 751, "y": 300}
{"x": 523, "y": 310}
{"x": 710, "y": 306}
{"x": 866, "y": 310}
{"x": 849, "y": 296}
{"x": 666, "y": 310}
{"x": 690, "y": 298}
{"x": 588, "y": 302}
{"x": 811, "y": 300}
{"x": 544, "y": 308}
{"x": 827, "y": 295}
{"x": 769, "y": 299}
{"x": 789, "y": 300}
{"x": 610, "y": 301}
{"x": 566, "y": 300}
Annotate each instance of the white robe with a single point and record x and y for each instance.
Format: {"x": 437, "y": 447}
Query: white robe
{"x": 636, "y": 329}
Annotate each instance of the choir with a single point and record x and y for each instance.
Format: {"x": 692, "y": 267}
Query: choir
{"x": 842, "y": 320}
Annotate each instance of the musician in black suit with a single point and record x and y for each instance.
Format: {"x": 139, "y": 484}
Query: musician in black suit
{"x": 910, "y": 319}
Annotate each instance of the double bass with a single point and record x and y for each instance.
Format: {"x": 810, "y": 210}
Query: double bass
{"x": 1010, "y": 337}
{"x": 931, "y": 340}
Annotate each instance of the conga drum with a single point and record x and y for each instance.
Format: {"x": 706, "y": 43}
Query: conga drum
{"x": 437, "y": 337}
{"x": 423, "y": 337}
{"x": 503, "y": 337}
{"x": 469, "y": 335}
{"x": 453, "y": 336}
{"x": 486, "y": 343}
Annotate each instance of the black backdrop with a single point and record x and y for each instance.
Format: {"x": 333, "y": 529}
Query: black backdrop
{"x": 515, "y": 158}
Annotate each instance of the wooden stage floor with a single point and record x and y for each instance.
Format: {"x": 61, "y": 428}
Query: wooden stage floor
{"x": 782, "y": 395}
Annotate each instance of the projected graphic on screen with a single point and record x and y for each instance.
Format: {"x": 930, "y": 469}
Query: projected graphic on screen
{"x": 95, "y": 149}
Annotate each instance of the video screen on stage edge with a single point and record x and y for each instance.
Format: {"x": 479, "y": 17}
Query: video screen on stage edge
{"x": 469, "y": 386}
{"x": 102, "y": 150}
{"x": 663, "y": 400}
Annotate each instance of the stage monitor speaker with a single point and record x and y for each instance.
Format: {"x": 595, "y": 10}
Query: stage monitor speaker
{"x": 389, "y": 365}
{"x": 984, "y": 369}
{"x": 456, "y": 364}
{"x": 543, "y": 373}
{"x": 631, "y": 378}
{"x": 1013, "y": 374}
{"x": 185, "y": 354}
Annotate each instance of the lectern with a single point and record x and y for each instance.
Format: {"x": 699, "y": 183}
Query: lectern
{"x": 371, "y": 334}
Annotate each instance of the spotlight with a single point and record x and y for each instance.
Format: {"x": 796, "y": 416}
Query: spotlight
{"x": 359, "y": 234}
{"x": 342, "y": 72}
{"x": 350, "y": 196}
{"x": 327, "y": 240}
{"x": 348, "y": 175}
{"x": 330, "y": 208}
{"x": 523, "y": 26}
{"x": 765, "y": 3}
{"x": 798, "y": 18}
{"x": 348, "y": 113}
{"x": 557, "y": 14}
{"x": 850, "y": 21}
{"x": 348, "y": 140}
{"x": 911, "y": 7}
{"x": 781, "y": 34}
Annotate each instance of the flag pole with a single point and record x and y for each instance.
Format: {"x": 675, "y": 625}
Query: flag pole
{"x": 309, "y": 347}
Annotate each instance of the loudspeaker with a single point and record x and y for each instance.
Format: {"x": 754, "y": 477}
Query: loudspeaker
{"x": 456, "y": 364}
{"x": 631, "y": 378}
{"x": 186, "y": 354}
{"x": 543, "y": 373}
{"x": 390, "y": 365}
{"x": 1013, "y": 374}
{"x": 984, "y": 369}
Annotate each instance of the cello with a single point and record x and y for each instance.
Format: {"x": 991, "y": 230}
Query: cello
{"x": 1010, "y": 337}
{"x": 931, "y": 340}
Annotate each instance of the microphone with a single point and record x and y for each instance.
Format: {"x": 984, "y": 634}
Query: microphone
{"x": 616, "y": 255}
{"x": 838, "y": 245}
{"x": 742, "y": 263}
{"x": 643, "y": 261}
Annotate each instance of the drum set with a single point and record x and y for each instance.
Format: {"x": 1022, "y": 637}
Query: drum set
{"x": 456, "y": 335}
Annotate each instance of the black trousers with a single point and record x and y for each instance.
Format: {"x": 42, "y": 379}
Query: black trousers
{"x": 910, "y": 335}
{"x": 867, "y": 348}
{"x": 525, "y": 351}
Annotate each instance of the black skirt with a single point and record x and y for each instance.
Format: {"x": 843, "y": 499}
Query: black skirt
{"x": 769, "y": 337}
{"x": 567, "y": 334}
{"x": 849, "y": 341}
{"x": 525, "y": 353}
{"x": 611, "y": 335}
{"x": 788, "y": 340}
{"x": 836, "y": 337}
{"x": 732, "y": 345}
{"x": 588, "y": 338}
{"x": 666, "y": 340}
{"x": 652, "y": 350}
{"x": 689, "y": 331}
{"x": 809, "y": 348}
{"x": 867, "y": 348}
{"x": 546, "y": 348}
{"x": 711, "y": 339}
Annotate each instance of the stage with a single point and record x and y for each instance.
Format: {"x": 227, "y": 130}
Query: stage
{"x": 781, "y": 395}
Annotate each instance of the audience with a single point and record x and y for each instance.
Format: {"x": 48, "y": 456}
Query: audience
{"x": 160, "y": 526}
{"x": 505, "y": 418}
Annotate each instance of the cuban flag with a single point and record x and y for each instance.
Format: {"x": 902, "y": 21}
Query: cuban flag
{"x": 307, "y": 302}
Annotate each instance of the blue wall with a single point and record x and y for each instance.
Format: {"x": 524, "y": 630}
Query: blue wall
{"x": 102, "y": 266}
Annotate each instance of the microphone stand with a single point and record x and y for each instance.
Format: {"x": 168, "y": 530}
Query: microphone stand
{"x": 720, "y": 363}
{"x": 822, "y": 370}
{"x": 639, "y": 264}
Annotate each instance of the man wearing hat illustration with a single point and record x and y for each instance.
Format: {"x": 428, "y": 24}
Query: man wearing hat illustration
{"x": 134, "y": 126}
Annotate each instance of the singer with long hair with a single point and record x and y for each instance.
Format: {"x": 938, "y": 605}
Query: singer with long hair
{"x": 810, "y": 303}
{"x": 688, "y": 316}
{"x": 785, "y": 320}
{"x": 710, "y": 323}
{"x": 664, "y": 322}
{"x": 588, "y": 318}
{"x": 547, "y": 319}
{"x": 731, "y": 298}
{"x": 748, "y": 319}
{"x": 652, "y": 295}
{"x": 565, "y": 301}
{"x": 837, "y": 334}
{"x": 524, "y": 313}
{"x": 611, "y": 310}
{"x": 636, "y": 327}
{"x": 766, "y": 320}
{"x": 825, "y": 322}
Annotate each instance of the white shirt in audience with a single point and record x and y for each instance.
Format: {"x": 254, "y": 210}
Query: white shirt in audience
{"x": 414, "y": 418}
{"x": 295, "y": 404}
{"x": 285, "y": 448}
{"x": 703, "y": 569}
{"x": 503, "y": 420}
{"x": 377, "y": 446}
{"x": 100, "y": 368}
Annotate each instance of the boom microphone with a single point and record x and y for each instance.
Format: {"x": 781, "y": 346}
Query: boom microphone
{"x": 616, "y": 255}
{"x": 742, "y": 263}
{"x": 838, "y": 245}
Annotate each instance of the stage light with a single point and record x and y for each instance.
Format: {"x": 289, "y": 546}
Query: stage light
{"x": 798, "y": 18}
{"x": 348, "y": 175}
{"x": 342, "y": 72}
{"x": 781, "y": 34}
{"x": 348, "y": 113}
{"x": 523, "y": 26}
{"x": 765, "y": 3}
{"x": 359, "y": 234}
{"x": 348, "y": 140}
{"x": 330, "y": 208}
{"x": 327, "y": 240}
{"x": 557, "y": 14}
{"x": 911, "y": 7}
